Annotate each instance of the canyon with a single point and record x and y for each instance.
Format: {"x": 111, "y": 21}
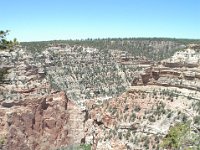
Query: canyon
{"x": 72, "y": 94}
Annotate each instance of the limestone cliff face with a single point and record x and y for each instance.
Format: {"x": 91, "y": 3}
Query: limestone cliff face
{"x": 43, "y": 123}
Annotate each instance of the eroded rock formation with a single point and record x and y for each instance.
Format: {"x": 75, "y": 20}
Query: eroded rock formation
{"x": 48, "y": 122}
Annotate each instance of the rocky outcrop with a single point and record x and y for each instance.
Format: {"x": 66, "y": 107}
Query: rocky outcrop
{"x": 145, "y": 78}
{"x": 183, "y": 78}
{"x": 173, "y": 64}
{"x": 35, "y": 116}
{"x": 48, "y": 122}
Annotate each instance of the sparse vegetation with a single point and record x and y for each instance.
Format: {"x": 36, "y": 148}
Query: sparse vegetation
{"x": 175, "y": 138}
{"x": 3, "y": 73}
{"x": 197, "y": 120}
{"x": 151, "y": 118}
{"x": 101, "y": 70}
{"x": 133, "y": 116}
{"x": 85, "y": 147}
{"x": 137, "y": 108}
{"x": 2, "y": 141}
{"x": 77, "y": 147}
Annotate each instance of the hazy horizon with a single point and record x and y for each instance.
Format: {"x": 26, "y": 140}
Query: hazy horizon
{"x": 63, "y": 20}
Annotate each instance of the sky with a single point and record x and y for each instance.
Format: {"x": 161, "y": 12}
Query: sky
{"x": 41, "y": 20}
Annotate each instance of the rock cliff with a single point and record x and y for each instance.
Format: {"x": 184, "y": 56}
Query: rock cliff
{"x": 35, "y": 114}
{"x": 46, "y": 122}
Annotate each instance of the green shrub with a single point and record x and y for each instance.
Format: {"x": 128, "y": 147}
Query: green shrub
{"x": 85, "y": 147}
{"x": 169, "y": 115}
{"x": 120, "y": 135}
{"x": 2, "y": 140}
{"x": 137, "y": 108}
{"x": 151, "y": 118}
{"x": 3, "y": 72}
{"x": 173, "y": 139}
{"x": 77, "y": 147}
{"x": 133, "y": 116}
{"x": 197, "y": 120}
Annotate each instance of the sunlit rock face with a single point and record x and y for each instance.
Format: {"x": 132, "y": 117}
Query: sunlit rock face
{"x": 47, "y": 122}
{"x": 38, "y": 112}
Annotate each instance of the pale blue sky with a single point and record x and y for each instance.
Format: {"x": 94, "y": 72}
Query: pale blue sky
{"x": 31, "y": 20}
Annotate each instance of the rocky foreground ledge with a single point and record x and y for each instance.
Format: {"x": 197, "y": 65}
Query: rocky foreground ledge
{"x": 46, "y": 122}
